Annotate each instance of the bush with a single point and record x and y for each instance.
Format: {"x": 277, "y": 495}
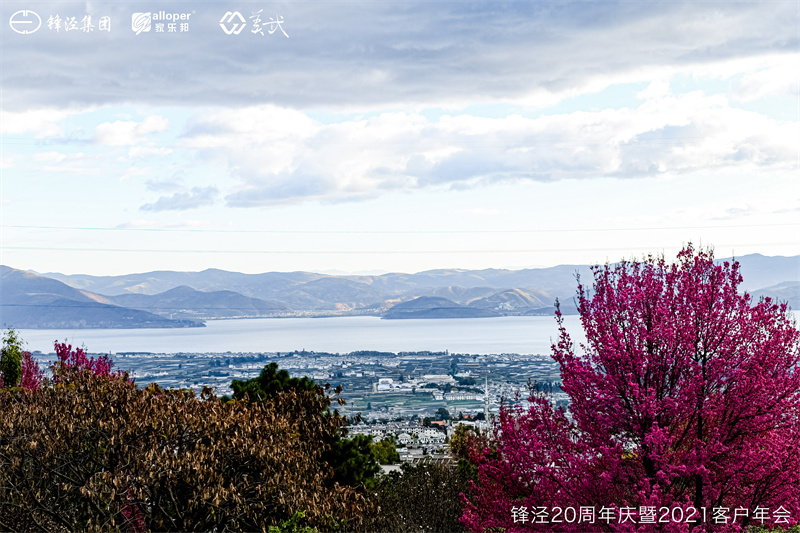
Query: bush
{"x": 11, "y": 359}
{"x": 155, "y": 460}
{"x": 352, "y": 460}
{"x": 424, "y": 497}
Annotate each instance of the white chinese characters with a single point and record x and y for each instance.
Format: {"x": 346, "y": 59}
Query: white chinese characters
{"x": 234, "y": 23}
{"x": 86, "y": 24}
{"x": 647, "y": 515}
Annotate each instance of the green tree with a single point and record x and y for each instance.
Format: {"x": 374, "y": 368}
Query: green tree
{"x": 270, "y": 382}
{"x": 385, "y": 452}
{"x": 423, "y": 497}
{"x": 465, "y": 445}
{"x": 352, "y": 460}
{"x": 442, "y": 414}
{"x": 453, "y": 366}
{"x": 460, "y": 442}
{"x": 11, "y": 359}
{"x": 468, "y": 381}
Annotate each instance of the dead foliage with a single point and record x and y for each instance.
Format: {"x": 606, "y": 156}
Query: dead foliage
{"x": 94, "y": 453}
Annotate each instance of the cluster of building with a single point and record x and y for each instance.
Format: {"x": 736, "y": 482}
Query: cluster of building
{"x": 412, "y": 439}
{"x": 378, "y": 385}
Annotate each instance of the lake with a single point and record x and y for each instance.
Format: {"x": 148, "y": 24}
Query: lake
{"x": 523, "y": 335}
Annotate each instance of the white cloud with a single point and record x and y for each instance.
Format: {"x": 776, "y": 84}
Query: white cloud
{"x": 751, "y": 77}
{"x": 781, "y": 78}
{"x": 129, "y": 132}
{"x": 372, "y": 55}
{"x": 181, "y": 201}
{"x": 154, "y": 224}
{"x": 481, "y": 212}
{"x": 51, "y": 157}
{"x": 58, "y": 162}
{"x": 39, "y": 122}
{"x": 281, "y": 156}
{"x": 137, "y": 172}
{"x": 173, "y": 185}
{"x": 141, "y": 152}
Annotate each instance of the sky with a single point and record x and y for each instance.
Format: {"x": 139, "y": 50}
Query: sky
{"x": 394, "y": 136}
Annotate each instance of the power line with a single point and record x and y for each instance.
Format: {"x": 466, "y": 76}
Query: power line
{"x": 88, "y": 305}
{"x": 461, "y": 139}
{"x": 349, "y": 252}
{"x": 388, "y": 232}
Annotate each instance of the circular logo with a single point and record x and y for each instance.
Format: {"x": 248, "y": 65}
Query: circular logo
{"x": 25, "y": 22}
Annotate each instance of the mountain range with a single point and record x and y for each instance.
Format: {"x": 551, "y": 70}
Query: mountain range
{"x": 28, "y": 300}
{"x": 185, "y": 299}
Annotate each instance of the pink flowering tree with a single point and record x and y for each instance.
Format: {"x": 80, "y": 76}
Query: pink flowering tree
{"x": 78, "y": 360}
{"x": 684, "y": 413}
{"x": 32, "y": 375}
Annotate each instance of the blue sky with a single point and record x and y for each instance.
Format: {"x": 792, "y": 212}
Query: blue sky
{"x": 397, "y": 136}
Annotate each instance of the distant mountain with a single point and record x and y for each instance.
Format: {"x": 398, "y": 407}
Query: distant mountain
{"x": 512, "y": 300}
{"x": 760, "y": 271}
{"x": 435, "y": 307}
{"x": 788, "y": 291}
{"x": 185, "y": 302}
{"x": 278, "y": 285}
{"x": 263, "y": 286}
{"x": 36, "y": 302}
{"x": 516, "y": 292}
{"x": 461, "y": 295}
{"x": 332, "y": 293}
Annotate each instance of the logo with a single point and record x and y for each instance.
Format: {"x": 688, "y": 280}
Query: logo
{"x": 160, "y": 22}
{"x": 229, "y": 26}
{"x": 25, "y": 22}
{"x": 141, "y": 22}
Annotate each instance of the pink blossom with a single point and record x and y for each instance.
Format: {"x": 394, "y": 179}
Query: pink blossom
{"x": 686, "y": 396}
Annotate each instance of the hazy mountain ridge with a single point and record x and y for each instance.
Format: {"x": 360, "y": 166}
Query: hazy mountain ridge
{"x": 435, "y": 307}
{"x": 215, "y": 293}
{"x": 788, "y": 291}
{"x": 185, "y": 302}
{"x": 512, "y": 299}
{"x": 28, "y": 300}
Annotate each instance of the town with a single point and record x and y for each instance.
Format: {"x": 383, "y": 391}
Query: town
{"x": 415, "y": 399}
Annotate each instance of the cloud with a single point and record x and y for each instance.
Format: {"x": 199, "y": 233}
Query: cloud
{"x": 481, "y": 212}
{"x": 129, "y": 132}
{"x": 779, "y": 77}
{"x": 142, "y": 152}
{"x": 51, "y": 157}
{"x": 370, "y": 55}
{"x": 41, "y": 122}
{"x": 173, "y": 185}
{"x": 197, "y": 197}
{"x": 143, "y": 224}
{"x": 77, "y": 163}
{"x": 281, "y": 156}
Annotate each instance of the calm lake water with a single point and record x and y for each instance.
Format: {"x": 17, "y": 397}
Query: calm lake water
{"x": 523, "y": 335}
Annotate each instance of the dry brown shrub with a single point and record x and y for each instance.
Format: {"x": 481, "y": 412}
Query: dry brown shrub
{"x": 95, "y": 453}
